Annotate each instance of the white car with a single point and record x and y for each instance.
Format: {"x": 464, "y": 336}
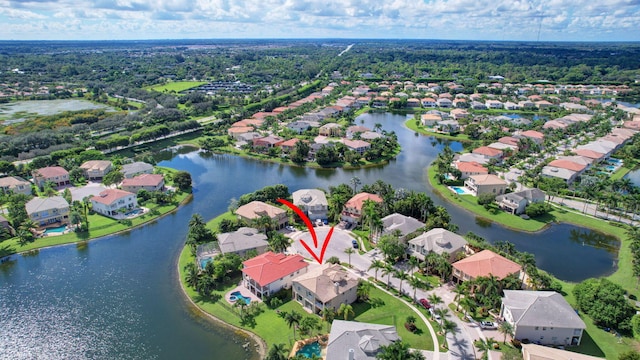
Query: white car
{"x": 488, "y": 325}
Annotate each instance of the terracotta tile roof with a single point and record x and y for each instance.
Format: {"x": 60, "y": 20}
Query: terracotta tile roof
{"x": 355, "y": 144}
{"x": 51, "y": 171}
{"x": 471, "y": 167}
{"x": 487, "y": 151}
{"x": 144, "y": 180}
{"x": 290, "y": 142}
{"x": 533, "y": 134}
{"x": 358, "y": 200}
{"x": 325, "y": 279}
{"x": 488, "y": 179}
{"x": 269, "y": 267}
{"x": 487, "y": 263}
{"x": 566, "y": 164}
{"x": 588, "y": 153}
{"x": 96, "y": 164}
{"x": 255, "y": 209}
{"x": 509, "y": 140}
{"x": 110, "y": 195}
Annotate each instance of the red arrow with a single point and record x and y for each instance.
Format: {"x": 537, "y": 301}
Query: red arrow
{"x": 309, "y": 225}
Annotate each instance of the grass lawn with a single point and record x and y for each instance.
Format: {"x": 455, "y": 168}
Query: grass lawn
{"x": 176, "y": 86}
{"x": 411, "y": 124}
{"x": 620, "y": 173}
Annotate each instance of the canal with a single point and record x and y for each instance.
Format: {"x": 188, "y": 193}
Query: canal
{"x": 119, "y": 297}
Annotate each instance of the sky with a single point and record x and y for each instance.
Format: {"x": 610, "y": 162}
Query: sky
{"x": 533, "y": 20}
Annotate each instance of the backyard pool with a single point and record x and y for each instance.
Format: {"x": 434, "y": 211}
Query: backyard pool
{"x": 56, "y": 230}
{"x": 204, "y": 262}
{"x": 310, "y": 350}
{"x": 237, "y": 296}
{"x": 610, "y": 168}
{"x": 458, "y": 190}
{"x": 134, "y": 212}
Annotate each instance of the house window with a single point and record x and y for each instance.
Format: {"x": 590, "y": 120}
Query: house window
{"x": 537, "y": 328}
{"x": 544, "y": 328}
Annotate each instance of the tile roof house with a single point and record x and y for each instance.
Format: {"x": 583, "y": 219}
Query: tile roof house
{"x": 325, "y": 286}
{"x": 595, "y": 156}
{"x": 46, "y": 211}
{"x": 536, "y": 136}
{"x": 15, "y": 184}
{"x": 484, "y": 263}
{"x": 489, "y": 153}
{"x": 112, "y": 202}
{"x": 354, "y": 129}
{"x": 430, "y": 119}
{"x": 439, "y": 241}
{"x": 313, "y": 202}
{"x": 266, "y": 274}
{"x": 470, "y": 168}
{"x": 136, "y": 168}
{"x": 256, "y": 209}
{"x": 516, "y": 202}
{"x": 95, "y": 169}
{"x": 352, "y": 211}
{"x": 540, "y": 352}
{"x": 148, "y": 182}
{"x": 569, "y": 165}
{"x": 469, "y": 157}
{"x": 235, "y": 132}
{"x": 399, "y": 224}
{"x": 242, "y": 241}
{"x": 567, "y": 175}
{"x": 543, "y": 317}
{"x": 288, "y": 145}
{"x": 485, "y": 184}
{"x": 356, "y": 340}
{"x": 359, "y": 146}
{"x": 330, "y": 129}
{"x": 268, "y": 141}
{"x": 55, "y": 174}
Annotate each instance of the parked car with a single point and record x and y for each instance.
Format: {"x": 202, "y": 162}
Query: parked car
{"x": 354, "y": 243}
{"x": 434, "y": 315}
{"x": 488, "y": 325}
{"x": 425, "y": 303}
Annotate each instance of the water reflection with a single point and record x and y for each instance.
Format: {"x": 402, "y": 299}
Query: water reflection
{"x": 595, "y": 239}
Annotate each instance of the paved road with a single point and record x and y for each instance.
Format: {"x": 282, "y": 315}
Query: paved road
{"x": 587, "y": 208}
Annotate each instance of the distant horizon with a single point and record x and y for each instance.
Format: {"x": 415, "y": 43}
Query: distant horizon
{"x": 465, "y": 20}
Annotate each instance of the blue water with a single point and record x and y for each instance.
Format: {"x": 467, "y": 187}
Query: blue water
{"x": 614, "y": 161}
{"x": 309, "y": 350}
{"x": 610, "y": 167}
{"x": 56, "y": 230}
{"x": 134, "y": 212}
{"x": 457, "y": 189}
{"x": 204, "y": 262}
{"x": 239, "y": 297}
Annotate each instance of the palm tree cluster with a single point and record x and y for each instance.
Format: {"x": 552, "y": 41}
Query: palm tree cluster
{"x": 634, "y": 235}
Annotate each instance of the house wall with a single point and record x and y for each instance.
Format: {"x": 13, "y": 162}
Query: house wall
{"x": 50, "y": 216}
{"x": 128, "y": 202}
{"x": 308, "y": 299}
{"x": 135, "y": 188}
{"x": 22, "y": 188}
{"x": 548, "y": 335}
{"x": 57, "y": 180}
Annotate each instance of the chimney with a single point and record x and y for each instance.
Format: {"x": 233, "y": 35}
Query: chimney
{"x": 336, "y": 287}
{"x": 352, "y": 354}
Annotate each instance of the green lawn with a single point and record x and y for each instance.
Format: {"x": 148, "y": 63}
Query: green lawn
{"x": 620, "y": 173}
{"x": 176, "y": 86}
{"x": 411, "y": 124}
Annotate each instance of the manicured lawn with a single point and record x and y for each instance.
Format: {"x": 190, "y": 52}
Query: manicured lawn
{"x": 411, "y": 124}
{"x": 176, "y": 86}
{"x": 620, "y": 173}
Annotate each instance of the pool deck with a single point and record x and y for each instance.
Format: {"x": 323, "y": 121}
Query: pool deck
{"x": 319, "y": 338}
{"x": 465, "y": 191}
{"x": 244, "y": 292}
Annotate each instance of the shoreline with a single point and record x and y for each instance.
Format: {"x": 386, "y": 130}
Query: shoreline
{"x": 184, "y": 201}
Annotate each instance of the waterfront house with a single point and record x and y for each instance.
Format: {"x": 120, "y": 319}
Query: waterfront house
{"x": 543, "y": 317}
{"x": 256, "y": 209}
{"x": 136, "y": 168}
{"x": 330, "y": 129}
{"x": 355, "y": 129}
{"x": 448, "y": 126}
{"x": 358, "y": 146}
{"x": 485, "y": 263}
{"x": 236, "y": 131}
{"x": 430, "y": 119}
{"x": 265, "y": 274}
{"x": 15, "y": 184}
{"x": 325, "y": 286}
{"x": 488, "y": 152}
{"x": 470, "y": 168}
{"x": 541, "y": 352}
{"x": 352, "y": 211}
{"x": 569, "y": 176}
{"x": 288, "y": 145}
{"x": 595, "y": 157}
{"x": 48, "y": 211}
{"x": 439, "y": 241}
{"x": 112, "y": 202}
{"x": 444, "y": 102}
{"x": 470, "y": 157}
{"x": 428, "y": 102}
{"x": 95, "y": 169}
{"x": 241, "y": 241}
{"x": 54, "y": 174}
{"x": 352, "y": 340}
{"x": 312, "y": 202}
{"x": 400, "y": 225}
{"x": 517, "y": 202}
{"x": 268, "y": 141}
{"x": 458, "y": 114}
{"x": 485, "y": 184}
{"x": 148, "y": 182}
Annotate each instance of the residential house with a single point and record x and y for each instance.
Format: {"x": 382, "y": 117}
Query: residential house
{"x": 536, "y": 136}
{"x": 470, "y": 168}
{"x": 111, "y": 202}
{"x": 444, "y": 102}
{"x": 257, "y": 209}
{"x": 477, "y": 105}
{"x": 352, "y": 211}
{"x": 356, "y": 340}
{"x": 266, "y": 274}
{"x": 603, "y": 147}
{"x": 540, "y": 352}
{"x": 517, "y": 202}
{"x": 489, "y": 153}
{"x": 148, "y": 182}
{"x": 526, "y": 104}
{"x": 511, "y": 106}
{"x": 400, "y": 225}
{"x": 485, "y": 263}
{"x": 359, "y": 146}
{"x": 458, "y": 114}
{"x": 430, "y": 119}
{"x": 448, "y": 126}
{"x": 506, "y": 149}
{"x": 543, "y": 104}
{"x": 47, "y": 211}
{"x": 355, "y": 129}
{"x": 325, "y": 287}
{"x": 95, "y": 169}
{"x": 54, "y": 174}
{"x": 459, "y": 103}
{"x": 312, "y": 202}
{"x": 543, "y": 317}
{"x": 136, "y": 168}
{"x": 288, "y": 145}
{"x": 581, "y": 160}
{"x": 330, "y": 129}
{"x": 514, "y": 143}
{"x": 485, "y": 184}
{"x": 15, "y": 184}
{"x": 268, "y": 141}
{"x": 248, "y": 137}
{"x": 567, "y": 175}
{"x": 439, "y": 241}
{"x": 428, "y": 102}
{"x": 470, "y": 157}
{"x": 413, "y": 102}
{"x": 370, "y": 135}
{"x": 243, "y": 240}
{"x": 494, "y": 104}
{"x": 595, "y": 157}
{"x": 302, "y": 126}
{"x": 4, "y": 224}
{"x": 569, "y": 165}
{"x": 235, "y": 132}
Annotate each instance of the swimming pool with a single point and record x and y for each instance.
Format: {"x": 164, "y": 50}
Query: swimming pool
{"x": 458, "y": 190}
{"x": 134, "y": 212}
{"x": 610, "y": 168}
{"x": 56, "y": 230}
{"x": 614, "y": 161}
{"x": 310, "y": 350}
{"x": 204, "y": 262}
{"x": 237, "y": 296}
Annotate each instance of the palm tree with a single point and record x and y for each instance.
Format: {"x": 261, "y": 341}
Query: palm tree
{"x": 192, "y": 274}
{"x": 434, "y": 299}
{"x": 349, "y": 251}
{"x": 398, "y": 350}
{"x": 264, "y": 223}
{"x": 416, "y": 283}
{"x": 355, "y": 181}
{"x": 505, "y": 328}
{"x": 278, "y": 242}
{"x": 377, "y": 265}
{"x": 363, "y": 290}
{"x": 388, "y": 270}
{"x": 485, "y": 346}
{"x": 468, "y": 304}
{"x": 459, "y": 290}
{"x": 447, "y": 326}
{"x": 277, "y": 352}
{"x": 401, "y": 275}
{"x": 345, "y": 310}
{"x": 292, "y": 318}
{"x": 414, "y": 262}
{"x": 328, "y": 314}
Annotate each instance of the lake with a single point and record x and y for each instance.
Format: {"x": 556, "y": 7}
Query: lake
{"x": 19, "y": 111}
{"x": 119, "y": 297}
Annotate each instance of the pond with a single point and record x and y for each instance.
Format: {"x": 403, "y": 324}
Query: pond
{"x": 634, "y": 176}
{"x": 19, "y": 111}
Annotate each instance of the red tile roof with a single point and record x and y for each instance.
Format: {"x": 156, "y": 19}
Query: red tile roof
{"x": 110, "y": 195}
{"x": 269, "y": 267}
{"x": 358, "y": 200}
{"x": 471, "y": 167}
{"x": 566, "y": 164}
{"x": 487, "y": 263}
{"x": 144, "y": 180}
{"x": 588, "y": 153}
{"x": 533, "y": 134}
{"x": 290, "y": 142}
{"x": 487, "y": 151}
{"x": 51, "y": 171}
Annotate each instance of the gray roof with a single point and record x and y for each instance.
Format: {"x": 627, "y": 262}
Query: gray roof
{"x": 245, "y": 238}
{"x": 136, "y": 167}
{"x": 541, "y": 308}
{"x": 39, "y": 204}
{"x": 529, "y": 194}
{"x": 440, "y": 241}
{"x": 365, "y": 339}
{"x": 561, "y": 173}
{"x": 309, "y": 197}
{"x": 405, "y": 224}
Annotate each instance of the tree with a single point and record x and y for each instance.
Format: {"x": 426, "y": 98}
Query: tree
{"x": 388, "y": 270}
{"x": 416, "y": 283}
{"x": 400, "y": 275}
{"x": 349, "y": 251}
{"x": 505, "y": 328}
{"x": 113, "y": 177}
{"x": 278, "y": 242}
{"x": 182, "y": 179}
{"x": 75, "y": 218}
{"x": 376, "y": 265}
{"x": 328, "y": 314}
{"x": 355, "y": 181}
{"x": 447, "y": 326}
{"x": 605, "y": 303}
{"x": 414, "y": 262}
{"x": 629, "y": 355}
{"x": 391, "y": 247}
{"x": 277, "y": 352}
{"x": 485, "y": 346}
{"x": 292, "y": 318}
{"x": 434, "y": 299}
{"x": 364, "y": 289}
{"x": 345, "y": 310}
{"x": 398, "y": 350}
